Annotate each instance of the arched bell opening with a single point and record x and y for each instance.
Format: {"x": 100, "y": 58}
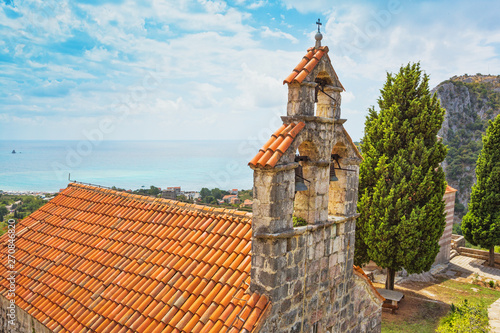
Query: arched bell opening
{"x": 310, "y": 200}
{"x": 341, "y": 175}
{"x": 325, "y": 96}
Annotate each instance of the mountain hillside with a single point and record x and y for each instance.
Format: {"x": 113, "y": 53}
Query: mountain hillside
{"x": 470, "y": 101}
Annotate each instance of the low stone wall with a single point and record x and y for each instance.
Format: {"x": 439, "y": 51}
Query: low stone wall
{"x": 458, "y": 244}
{"x": 457, "y": 241}
{"x": 478, "y": 254}
{"x": 22, "y": 321}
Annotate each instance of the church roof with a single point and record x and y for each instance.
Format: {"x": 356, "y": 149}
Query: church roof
{"x": 269, "y": 155}
{"x": 359, "y": 272}
{"x": 306, "y": 65}
{"x": 110, "y": 261}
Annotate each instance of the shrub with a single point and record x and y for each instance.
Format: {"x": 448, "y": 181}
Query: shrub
{"x": 299, "y": 222}
{"x": 465, "y": 317}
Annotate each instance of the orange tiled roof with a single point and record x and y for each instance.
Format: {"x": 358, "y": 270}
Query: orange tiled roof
{"x": 99, "y": 260}
{"x": 269, "y": 155}
{"x": 306, "y": 65}
{"x": 359, "y": 272}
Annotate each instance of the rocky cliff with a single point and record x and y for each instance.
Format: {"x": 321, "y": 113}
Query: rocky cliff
{"x": 470, "y": 101}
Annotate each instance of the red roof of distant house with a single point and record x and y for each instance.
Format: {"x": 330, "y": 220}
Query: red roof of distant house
{"x": 449, "y": 189}
{"x": 270, "y": 154}
{"x": 109, "y": 261}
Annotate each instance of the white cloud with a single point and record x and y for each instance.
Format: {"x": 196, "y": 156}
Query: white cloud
{"x": 309, "y": 6}
{"x": 214, "y": 63}
{"x": 19, "y": 50}
{"x": 347, "y": 97}
{"x": 213, "y": 6}
{"x": 100, "y": 54}
{"x": 259, "y": 90}
{"x": 368, "y": 48}
{"x": 257, "y": 4}
{"x": 276, "y": 33}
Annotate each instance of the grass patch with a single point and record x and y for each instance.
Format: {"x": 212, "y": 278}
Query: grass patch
{"x": 465, "y": 316}
{"x": 484, "y": 296}
{"x": 419, "y": 311}
{"x": 422, "y": 319}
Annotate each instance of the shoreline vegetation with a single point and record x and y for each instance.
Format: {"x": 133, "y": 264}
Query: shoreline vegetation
{"x": 19, "y": 204}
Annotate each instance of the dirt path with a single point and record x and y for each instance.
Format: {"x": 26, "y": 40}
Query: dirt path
{"x": 494, "y": 316}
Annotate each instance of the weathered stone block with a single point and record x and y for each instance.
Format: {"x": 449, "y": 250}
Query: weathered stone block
{"x": 267, "y": 279}
{"x": 299, "y": 257}
{"x": 319, "y": 250}
{"x": 336, "y": 244}
{"x": 292, "y": 274}
{"x": 333, "y": 260}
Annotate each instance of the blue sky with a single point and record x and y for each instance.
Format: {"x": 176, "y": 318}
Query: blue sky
{"x": 200, "y": 69}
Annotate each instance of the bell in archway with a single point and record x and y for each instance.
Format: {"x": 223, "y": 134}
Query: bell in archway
{"x": 299, "y": 180}
{"x": 333, "y": 176}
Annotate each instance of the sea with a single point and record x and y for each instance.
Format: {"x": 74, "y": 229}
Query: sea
{"x": 48, "y": 166}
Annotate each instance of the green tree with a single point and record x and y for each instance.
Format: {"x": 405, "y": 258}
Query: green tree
{"x": 217, "y": 193}
{"x": 205, "y": 192}
{"x": 401, "y": 183}
{"x": 153, "y": 190}
{"x": 481, "y": 224}
{"x": 3, "y": 212}
{"x": 210, "y": 200}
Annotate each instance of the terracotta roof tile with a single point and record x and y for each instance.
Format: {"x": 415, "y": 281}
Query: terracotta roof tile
{"x": 270, "y": 154}
{"x": 100, "y": 260}
{"x": 306, "y": 65}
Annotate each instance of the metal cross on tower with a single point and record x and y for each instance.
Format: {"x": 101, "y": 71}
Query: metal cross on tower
{"x": 319, "y": 24}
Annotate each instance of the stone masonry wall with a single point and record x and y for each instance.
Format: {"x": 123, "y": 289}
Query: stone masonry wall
{"x": 312, "y": 269}
{"x": 367, "y": 307}
{"x": 23, "y": 322}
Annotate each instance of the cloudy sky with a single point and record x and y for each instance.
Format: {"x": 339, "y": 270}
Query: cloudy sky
{"x": 201, "y": 69}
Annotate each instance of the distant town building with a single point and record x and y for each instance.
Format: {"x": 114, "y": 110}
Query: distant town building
{"x": 234, "y": 191}
{"x": 171, "y": 193}
{"x": 193, "y": 195}
{"x": 247, "y": 203}
{"x": 230, "y": 198}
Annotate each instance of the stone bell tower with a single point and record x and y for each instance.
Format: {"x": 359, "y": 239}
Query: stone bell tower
{"x": 307, "y": 170}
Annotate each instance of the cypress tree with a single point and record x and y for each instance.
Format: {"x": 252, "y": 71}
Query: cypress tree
{"x": 481, "y": 224}
{"x": 401, "y": 181}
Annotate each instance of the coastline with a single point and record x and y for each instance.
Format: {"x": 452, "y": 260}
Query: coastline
{"x": 27, "y": 192}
